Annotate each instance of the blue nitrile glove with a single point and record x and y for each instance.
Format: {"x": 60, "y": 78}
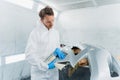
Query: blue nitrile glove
{"x": 59, "y": 53}
{"x": 51, "y": 65}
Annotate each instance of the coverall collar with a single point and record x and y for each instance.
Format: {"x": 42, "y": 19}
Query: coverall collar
{"x": 42, "y": 26}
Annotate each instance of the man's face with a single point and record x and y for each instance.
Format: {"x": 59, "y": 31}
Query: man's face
{"x": 48, "y": 21}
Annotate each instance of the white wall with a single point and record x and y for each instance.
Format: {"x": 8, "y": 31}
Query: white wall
{"x": 15, "y": 25}
{"x": 100, "y": 25}
{"x": 15, "y": 71}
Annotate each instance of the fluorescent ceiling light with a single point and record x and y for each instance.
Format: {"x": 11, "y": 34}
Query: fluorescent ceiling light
{"x": 73, "y": 2}
{"x": 48, "y": 3}
{"x": 24, "y": 3}
{"x": 14, "y": 58}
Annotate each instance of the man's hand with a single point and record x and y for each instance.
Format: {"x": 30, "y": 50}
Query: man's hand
{"x": 58, "y": 53}
{"x": 51, "y": 65}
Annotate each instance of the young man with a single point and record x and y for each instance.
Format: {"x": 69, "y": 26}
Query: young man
{"x": 43, "y": 41}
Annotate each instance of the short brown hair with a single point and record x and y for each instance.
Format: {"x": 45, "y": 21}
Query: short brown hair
{"x": 46, "y": 11}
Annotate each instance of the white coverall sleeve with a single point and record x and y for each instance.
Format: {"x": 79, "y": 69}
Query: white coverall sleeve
{"x": 31, "y": 53}
{"x": 58, "y": 39}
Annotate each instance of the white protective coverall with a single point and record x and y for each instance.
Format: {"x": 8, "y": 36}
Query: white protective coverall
{"x": 41, "y": 43}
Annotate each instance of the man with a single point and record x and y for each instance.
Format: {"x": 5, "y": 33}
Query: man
{"x": 43, "y": 41}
